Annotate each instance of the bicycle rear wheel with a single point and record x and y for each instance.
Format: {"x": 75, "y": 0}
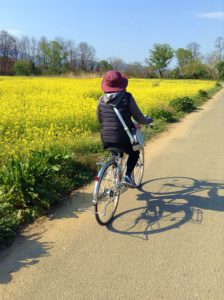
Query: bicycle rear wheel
{"x": 107, "y": 195}
{"x": 139, "y": 169}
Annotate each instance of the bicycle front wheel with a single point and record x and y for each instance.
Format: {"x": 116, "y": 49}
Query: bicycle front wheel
{"x": 139, "y": 169}
{"x": 107, "y": 194}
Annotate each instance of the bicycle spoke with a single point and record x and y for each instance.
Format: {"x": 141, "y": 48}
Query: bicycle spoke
{"x": 107, "y": 195}
{"x": 139, "y": 169}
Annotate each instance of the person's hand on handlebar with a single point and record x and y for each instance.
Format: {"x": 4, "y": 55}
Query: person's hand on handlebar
{"x": 137, "y": 125}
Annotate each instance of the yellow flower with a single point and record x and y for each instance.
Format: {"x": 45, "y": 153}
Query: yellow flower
{"x": 39, "y": 113}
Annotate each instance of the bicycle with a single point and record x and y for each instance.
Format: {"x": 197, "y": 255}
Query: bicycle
{"x": 109, "y": 183}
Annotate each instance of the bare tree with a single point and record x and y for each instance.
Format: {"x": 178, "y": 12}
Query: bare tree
{"x": 24, "y": 47}
{"x": 117, "y": 63}
{"x": 195, "y": 50}
{"x": 211, "y": 58}
{"x": 7, "y": 44}
{"x": 72, "y": 58}
{"x": 42, "y": 52}
{"x": 8, "y": 52}
{"x": 219, "y": 46}
{"x": 86, "y": 56}
{"x": 33, "y": 49}
{"x": 134, "y": 70}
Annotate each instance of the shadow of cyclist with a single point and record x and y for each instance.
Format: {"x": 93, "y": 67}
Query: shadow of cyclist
{"x": 169, "y": 203}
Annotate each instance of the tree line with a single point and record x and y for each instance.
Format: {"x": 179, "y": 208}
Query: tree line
{"x": 25, "y": 56}
{"x": 190, "y": 63}
{"x": 29, "y": 56}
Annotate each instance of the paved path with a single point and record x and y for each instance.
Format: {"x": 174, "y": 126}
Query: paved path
{"x": 166, "y": 241}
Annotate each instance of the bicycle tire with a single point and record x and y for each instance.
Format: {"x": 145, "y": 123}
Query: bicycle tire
{"x": 106, "y": 195}
{"x": 138, "y": 171}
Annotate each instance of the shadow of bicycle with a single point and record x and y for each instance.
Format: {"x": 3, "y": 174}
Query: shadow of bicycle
{"x": 168, "y": 204}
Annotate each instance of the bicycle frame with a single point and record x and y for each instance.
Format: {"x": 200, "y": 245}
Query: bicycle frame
{"x": 113, "y": 159}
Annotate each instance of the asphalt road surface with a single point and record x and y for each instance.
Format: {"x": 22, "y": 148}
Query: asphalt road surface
{"x": 165, "y": 242}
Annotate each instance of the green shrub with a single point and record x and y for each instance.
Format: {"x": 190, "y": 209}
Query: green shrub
{"x": 9, "y": 223}
{"x": 24, "y": 68}
{"x": 71, "y": 174}
{"x": 162, "y": 112}
{"x": 182, "y": 104}
{"x": 158, "y": 126}
{"x": 30, "y": 186}
{"x": 203, "y": 93}
{"x": 218, "y": 84}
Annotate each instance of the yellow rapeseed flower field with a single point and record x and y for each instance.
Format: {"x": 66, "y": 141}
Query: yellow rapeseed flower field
{"x": 38, "y": 113}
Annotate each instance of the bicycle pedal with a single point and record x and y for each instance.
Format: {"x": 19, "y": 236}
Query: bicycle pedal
{"x": 124, "y": 188}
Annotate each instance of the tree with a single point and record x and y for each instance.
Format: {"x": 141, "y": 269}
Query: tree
{"x": 57, "y": 56}
{"x": 220, "y": 68}
{"x": 71, "y": 59}
{"x": 24, "y": 48}
{"x": 52, "y": 56}
{"x": 195, "y": 51}
{"x": 195, "y": 70}
{"x": 7, "y": 44}
{"x": 24, "y": 68}
{"x": 190, "y": 63}
{"x": 219, "y": 46}
{"x": 184, "y": 56}
{"x": 33, "y": 49}
{"x": 8, "y": 52}
{"x": 103, "y": 66}
{"x": 160, "y": 57}
{"x": 86, "y": 56}
{"x": 117, "y": 63}
{"x": 134, "y": 70}
{"x": 215, "y": 57}
{"x": 48, "y": 56}
{"x": 43, "y": 54}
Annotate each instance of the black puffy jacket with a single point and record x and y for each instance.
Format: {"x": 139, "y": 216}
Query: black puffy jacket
{"x": 112, "y": 130}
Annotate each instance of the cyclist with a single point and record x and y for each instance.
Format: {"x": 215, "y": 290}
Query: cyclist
{"x": 113, "y": 134}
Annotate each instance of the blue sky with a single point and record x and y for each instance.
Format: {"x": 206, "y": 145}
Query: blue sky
{"x": 120, "y": 28}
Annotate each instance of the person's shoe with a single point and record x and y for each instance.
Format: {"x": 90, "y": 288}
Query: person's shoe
{"x": 129, "y": 181}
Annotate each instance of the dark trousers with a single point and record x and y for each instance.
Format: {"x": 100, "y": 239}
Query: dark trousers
{"x": 132, "y": 155}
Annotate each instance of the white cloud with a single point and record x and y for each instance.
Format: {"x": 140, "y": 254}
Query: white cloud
{"x": 211, "y": 15}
